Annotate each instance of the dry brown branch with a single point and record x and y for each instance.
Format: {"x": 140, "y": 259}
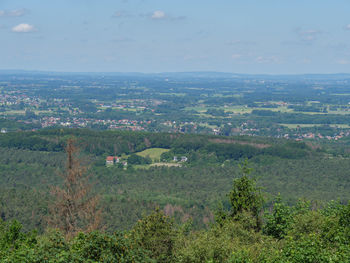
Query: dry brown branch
{"x": 75, "y": 209}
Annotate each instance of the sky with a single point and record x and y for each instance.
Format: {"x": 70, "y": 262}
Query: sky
{"x": 239, "y": 36}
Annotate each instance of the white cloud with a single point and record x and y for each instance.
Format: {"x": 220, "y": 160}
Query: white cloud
{"x": 161, "y": 15}
{"x": 347, "y": 27}
{"x": 158, "y": 14}
{"x": 23, "y": 28}
{"x": 13, "y": 13}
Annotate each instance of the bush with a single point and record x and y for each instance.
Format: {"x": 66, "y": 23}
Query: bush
{"x": 157, "y": 234}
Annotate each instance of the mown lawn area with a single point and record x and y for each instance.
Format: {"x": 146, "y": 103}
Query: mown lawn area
{"x": 153, "y": 153}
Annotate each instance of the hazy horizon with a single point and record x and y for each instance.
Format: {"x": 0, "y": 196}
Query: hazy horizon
{"x": 166, "y": 72}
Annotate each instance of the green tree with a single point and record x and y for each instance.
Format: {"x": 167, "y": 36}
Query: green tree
{"x": 136, "y": 159}
{"x": 278, "y": 222}
{"x": 245, "y": 197}
{"x": 157, "y": 234}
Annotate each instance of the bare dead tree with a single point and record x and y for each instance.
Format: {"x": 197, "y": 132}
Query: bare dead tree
{"x": 75, "y": 208}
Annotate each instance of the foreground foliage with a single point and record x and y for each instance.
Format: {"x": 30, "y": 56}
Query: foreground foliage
{"x": 287, "y": 234}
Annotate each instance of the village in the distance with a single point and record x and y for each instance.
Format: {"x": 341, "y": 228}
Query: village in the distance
{"x": 204, "y": 103}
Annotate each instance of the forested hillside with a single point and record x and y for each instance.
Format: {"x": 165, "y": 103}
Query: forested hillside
{"x": 32, "y": 161}
{"x": 241, "y": 232}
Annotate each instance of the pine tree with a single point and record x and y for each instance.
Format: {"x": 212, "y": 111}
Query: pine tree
{"x": 246, "y": 197}
{"x": 75, "y": 208}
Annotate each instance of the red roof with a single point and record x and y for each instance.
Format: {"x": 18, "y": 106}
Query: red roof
{"x": 109, "y": 158}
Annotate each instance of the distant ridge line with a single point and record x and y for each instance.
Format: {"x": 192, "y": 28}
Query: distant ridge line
{"x": 191, "y": 74}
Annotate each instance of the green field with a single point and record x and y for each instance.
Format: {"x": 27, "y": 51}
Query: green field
{"x": 23, "y": 112}
{"x": 248, "y": 110}
{"x": 153, "y": 153}
{"x": 294, "y": 126}
{"x": 126, "y": 109}
{"x": 13, "y": 112}
{"x": 141, "y": 166}
{"x": 219, "y": 95}
{"x": 207, "y": 125}
{"x": 172, "y": 94}
{"x": 147, "y": 166}
{"x": 197, "y": 108}
{"x": 166, "y": 164}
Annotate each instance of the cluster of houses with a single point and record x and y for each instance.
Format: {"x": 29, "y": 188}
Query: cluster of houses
{"x": 16, "y": 98}
{"x": 48, "y": 121}
{"x": 315, "y": 136}
{"x": 181, "y": 159}
{"x": 113, "y": 160}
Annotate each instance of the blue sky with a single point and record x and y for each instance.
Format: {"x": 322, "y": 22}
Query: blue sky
{"x": 246, "y": 36}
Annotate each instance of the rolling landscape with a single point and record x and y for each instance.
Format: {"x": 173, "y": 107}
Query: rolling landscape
{"x": 185, "y": 169}
{"x": 157, "y": 131}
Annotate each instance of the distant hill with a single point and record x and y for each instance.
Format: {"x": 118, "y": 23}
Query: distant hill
{"x": 187, "y": 75}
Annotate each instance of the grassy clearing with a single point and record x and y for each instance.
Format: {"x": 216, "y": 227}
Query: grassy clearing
{"x": 340, "y": 112}
{"x": 141, "y": 166}
{"x": 126, "y": 109}
{"x": 197, "y": 109}
{"x": 153, "y": 153}
{"x": 344, "y": 126}
{"x": 37, "y": 112}
{"x": 204, "y": 115}
{"x": 13, "y": 112}
{"x": 340, "y": 94}
{"x": 207, "y": 125}
{"x": 167, "y": 164}
{"x": 294, "y": 126}
{"x": 247, "y": 110}
{"x": 237, "y": 109}
{"x": 148, "y": 166}
{"x": 173, "y": 94}
{"x": 23, "y": 112}
{"x": 219, "y": 95}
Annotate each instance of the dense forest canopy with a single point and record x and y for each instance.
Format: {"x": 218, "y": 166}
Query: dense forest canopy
{"x": 185, "y": 174}
{"x": 241, "y": 232}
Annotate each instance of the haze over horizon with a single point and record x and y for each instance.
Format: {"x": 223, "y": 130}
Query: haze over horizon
{"x": 148, "y": 36}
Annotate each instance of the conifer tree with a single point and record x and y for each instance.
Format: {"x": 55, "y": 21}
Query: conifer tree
{"x": 75, "y": 208}
{"x": 246, "y": 197}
